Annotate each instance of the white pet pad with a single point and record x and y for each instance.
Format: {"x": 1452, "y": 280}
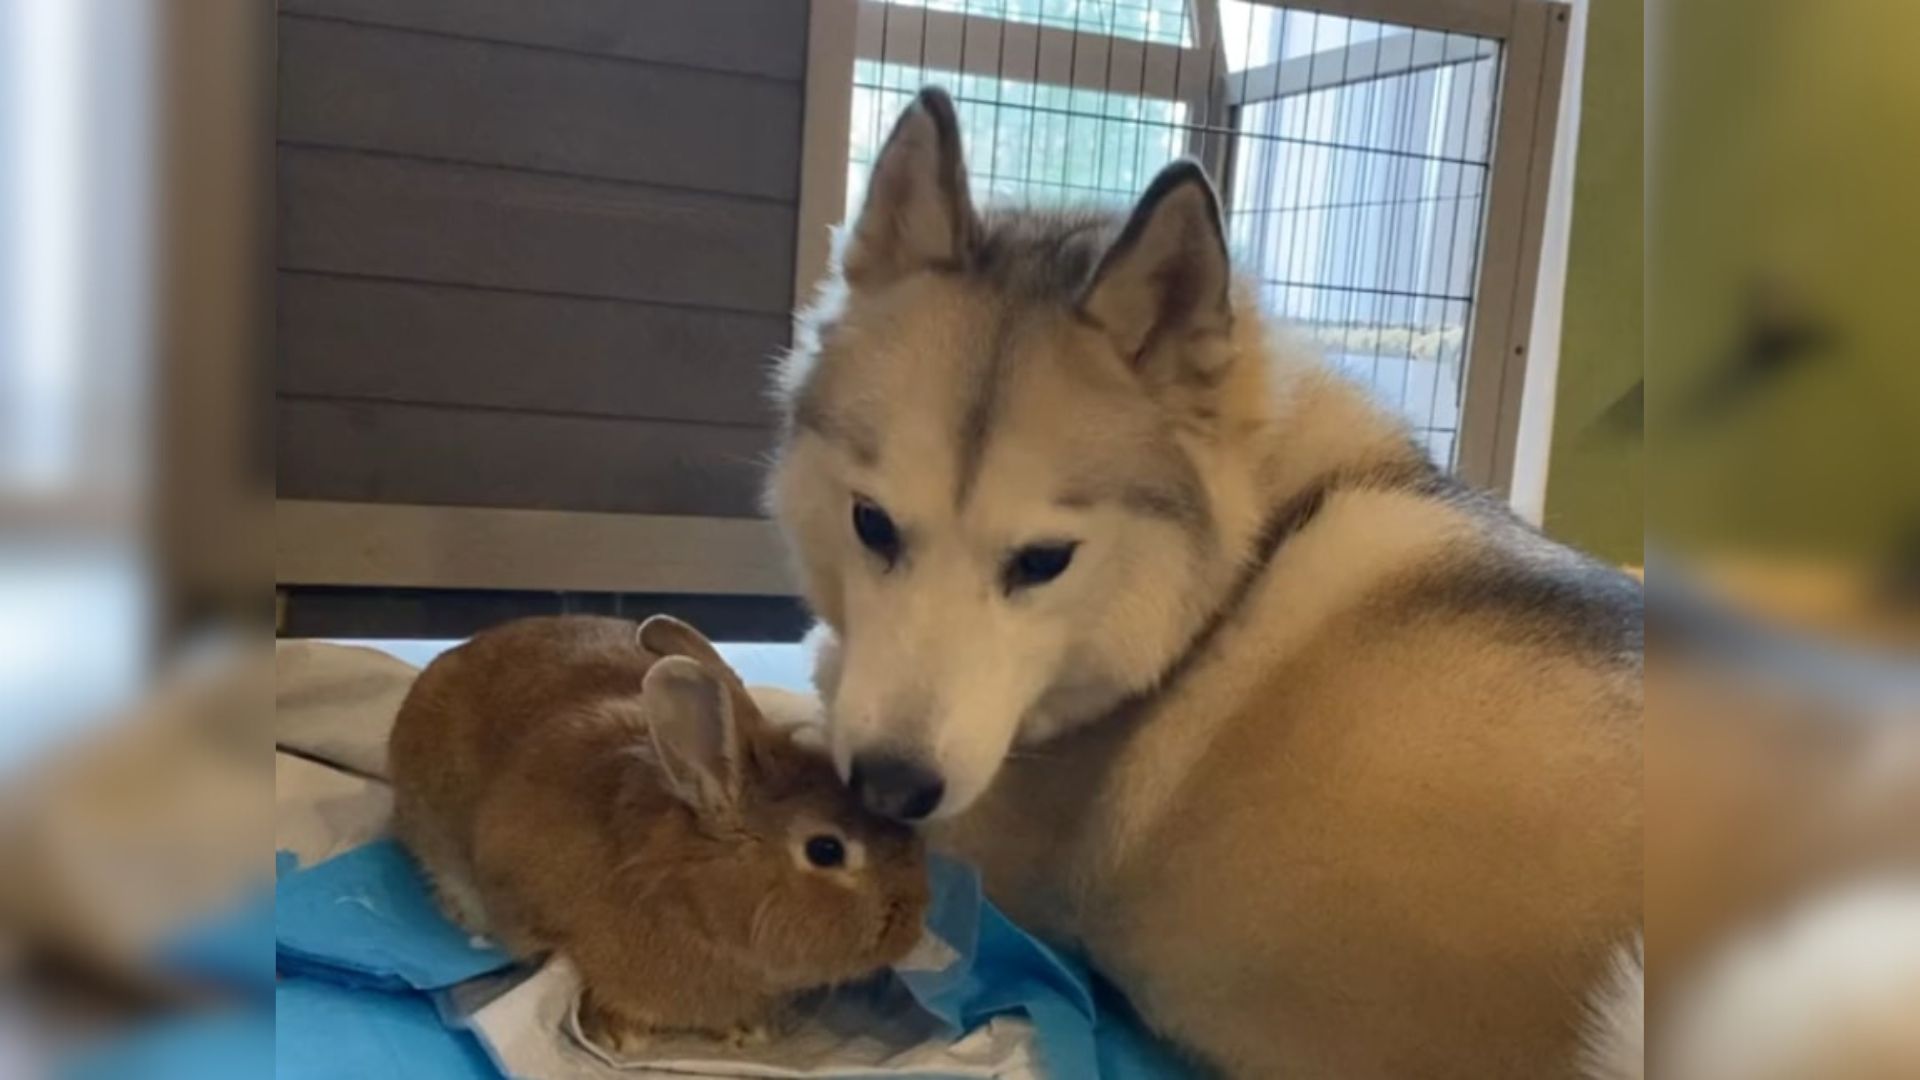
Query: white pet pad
{"x": 533, "y": 1030}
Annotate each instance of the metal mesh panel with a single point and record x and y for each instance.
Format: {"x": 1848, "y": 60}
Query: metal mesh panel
{"x": 1353, "y": 156}
{"x": 1165, "y": 21}
{"x": 1029, "y": 143}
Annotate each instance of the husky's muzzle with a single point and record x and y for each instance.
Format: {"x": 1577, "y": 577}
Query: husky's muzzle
{"x": 896, "y": 786}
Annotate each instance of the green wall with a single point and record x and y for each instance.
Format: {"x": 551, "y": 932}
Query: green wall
{"x": 1594, "y": 491}
{"x": 1785, "y": 150}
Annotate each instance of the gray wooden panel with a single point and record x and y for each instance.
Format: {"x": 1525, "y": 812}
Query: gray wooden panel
{"x": 400, "y": 341}
{"x": 351, "y": 213}
{"x": 375, "y": 89}
{"x": 377, "y": 452}
{"x": 446, "y": 614}
{"x": 468, "y": 547}
{"x": 766, "y": 37}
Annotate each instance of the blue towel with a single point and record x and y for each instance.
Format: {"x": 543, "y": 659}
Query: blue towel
{"x": 1002, "y": 969}
{"x": 367, "y": 918}
{"x": 362, "y": 933}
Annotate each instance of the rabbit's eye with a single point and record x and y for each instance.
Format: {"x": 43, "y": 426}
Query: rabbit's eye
{"x": 826, "y": 852}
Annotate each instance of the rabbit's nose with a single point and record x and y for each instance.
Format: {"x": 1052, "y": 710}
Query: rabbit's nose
{"x": 896, "y": 787}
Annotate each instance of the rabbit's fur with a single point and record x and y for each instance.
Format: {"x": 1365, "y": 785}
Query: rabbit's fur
{"x": 609, "y": 790}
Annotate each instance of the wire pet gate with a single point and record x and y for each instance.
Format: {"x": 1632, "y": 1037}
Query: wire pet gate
{"x": 1354, "y": 156}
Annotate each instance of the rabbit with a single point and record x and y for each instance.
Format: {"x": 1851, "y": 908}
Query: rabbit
{"x": 609, "y": 791}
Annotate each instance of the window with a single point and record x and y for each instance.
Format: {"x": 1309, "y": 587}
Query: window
{"x": 1357, "y": 161}
{"x": 40, "y": 225}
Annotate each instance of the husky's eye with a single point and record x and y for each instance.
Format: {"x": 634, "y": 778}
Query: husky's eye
{"x": 1037, "y": 565}
{"x": 876, "y": 530}
{"x": 826, "y": 851}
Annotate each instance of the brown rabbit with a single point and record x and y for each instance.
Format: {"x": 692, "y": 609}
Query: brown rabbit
{"x": 609, "y": 791}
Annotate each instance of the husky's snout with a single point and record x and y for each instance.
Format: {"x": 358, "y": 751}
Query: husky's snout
{"x": 896, "y": 786}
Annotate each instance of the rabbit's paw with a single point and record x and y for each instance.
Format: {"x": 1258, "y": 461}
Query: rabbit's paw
{"x": 745, "y": 1036}
{"x": 616, "y": 1034}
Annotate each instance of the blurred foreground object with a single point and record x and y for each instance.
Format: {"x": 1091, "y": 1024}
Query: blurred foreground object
{"x": 135, "y": 293}
{"x": 1783, "y": 717}
{"x": 1829, "y": 992}
{"x": 126, "y": 853}
{"x": 1782, "y": 847}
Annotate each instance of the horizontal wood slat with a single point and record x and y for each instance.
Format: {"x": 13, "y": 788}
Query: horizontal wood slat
{"x": 353, "y": 213}
{"x": 446, "y": 547}
{"x": 762, "y": 37}
{"x": 475, "y": 101}
{"x": 382, "y": 452}
{"x": 400, "y": 341}
{"x": 351, "y": 611}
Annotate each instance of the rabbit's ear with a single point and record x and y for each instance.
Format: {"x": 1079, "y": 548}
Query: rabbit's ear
{"x": 664, "y": 635}
{"x": 696, "y": 737}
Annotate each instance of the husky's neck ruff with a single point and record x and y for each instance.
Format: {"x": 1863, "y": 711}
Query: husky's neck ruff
{"x": 1292, "y": 516}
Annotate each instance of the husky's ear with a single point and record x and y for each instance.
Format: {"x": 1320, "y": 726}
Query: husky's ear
{"x": 1166, "y": 280}
{"x": 696, "y": 737}
{"x": 917, "y": 212}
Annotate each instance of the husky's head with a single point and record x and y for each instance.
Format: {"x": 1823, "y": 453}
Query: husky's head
{"x": 1017, "y": 467}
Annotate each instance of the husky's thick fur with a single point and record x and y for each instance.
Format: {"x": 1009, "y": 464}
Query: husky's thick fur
{"x": 1333, "y": 766}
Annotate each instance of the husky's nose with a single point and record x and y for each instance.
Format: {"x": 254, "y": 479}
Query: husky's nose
{"x": 896, "y": 787}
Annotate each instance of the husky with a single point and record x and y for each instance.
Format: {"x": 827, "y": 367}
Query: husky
{"x": 1330, "y": 764}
